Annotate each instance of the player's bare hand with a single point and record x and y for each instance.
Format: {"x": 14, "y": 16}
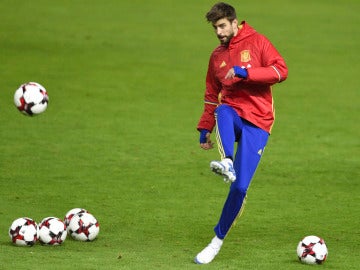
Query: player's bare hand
{"x": 230, "y": 74}
{"x": 236, "y": 71}
{"x": 208, "y": 144}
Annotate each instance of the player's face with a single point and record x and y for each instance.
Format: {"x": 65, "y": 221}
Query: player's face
{"x": 225, "y": 30}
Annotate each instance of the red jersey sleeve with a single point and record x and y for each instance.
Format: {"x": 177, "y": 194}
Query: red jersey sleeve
{"x": 273, "y": 69}
{"x": 211, "y": 99}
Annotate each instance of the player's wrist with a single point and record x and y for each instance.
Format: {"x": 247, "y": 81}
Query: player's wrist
{"x": 240, "y": 72}
{"x": 203, "y": 133}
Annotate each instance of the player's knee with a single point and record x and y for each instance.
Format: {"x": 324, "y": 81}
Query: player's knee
{"x": 222, "y": 108}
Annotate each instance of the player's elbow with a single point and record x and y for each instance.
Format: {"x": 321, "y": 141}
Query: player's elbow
{"x": 281, "y": 72}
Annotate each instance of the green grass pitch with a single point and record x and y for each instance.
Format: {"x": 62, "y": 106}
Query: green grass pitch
{"x": 126, "y": 81}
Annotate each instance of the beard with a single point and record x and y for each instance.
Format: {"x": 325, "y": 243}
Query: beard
{"x": 224, "y": 40}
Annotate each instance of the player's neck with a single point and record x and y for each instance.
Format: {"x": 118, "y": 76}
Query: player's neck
{"x": 238, "y": 29}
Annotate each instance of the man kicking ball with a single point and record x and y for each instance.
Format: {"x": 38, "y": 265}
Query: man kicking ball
{"x": 239, "y": 107}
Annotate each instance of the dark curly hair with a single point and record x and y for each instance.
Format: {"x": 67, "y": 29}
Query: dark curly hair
{"x": 219, "y": 11}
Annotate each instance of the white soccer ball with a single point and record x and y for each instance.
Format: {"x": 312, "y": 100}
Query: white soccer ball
{"x": 31, "y": 98}
{"x": 24, "y": 232}
{"x": 84, "y": 227}
{"x": 312, "y": 250}
{"x": 52, "y": 231}
{"x": 71, "y": 213}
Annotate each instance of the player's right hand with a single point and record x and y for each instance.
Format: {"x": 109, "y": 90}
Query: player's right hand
{"x": 205, "y": 140}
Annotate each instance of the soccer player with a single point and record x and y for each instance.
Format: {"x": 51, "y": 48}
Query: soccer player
{"x": 239, "y": 107}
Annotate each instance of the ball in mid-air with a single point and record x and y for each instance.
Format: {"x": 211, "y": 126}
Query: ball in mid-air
{"x": 312, "y": 250}
{"x": 24, "y": 232}
{"x": 52, "y": 231}
{"x": 31, "y": 98}
{"x": 83, "y": 227}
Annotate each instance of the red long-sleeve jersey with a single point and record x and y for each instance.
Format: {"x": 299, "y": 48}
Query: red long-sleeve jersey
{"x": 251, "y": 98}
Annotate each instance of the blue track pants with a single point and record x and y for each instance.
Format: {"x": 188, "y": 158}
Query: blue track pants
{"x": 251, "y": 141}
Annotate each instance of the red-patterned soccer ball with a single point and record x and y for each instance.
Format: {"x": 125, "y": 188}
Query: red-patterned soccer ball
{"x": 31, "y": 98}
{"x": 71, "y": 213}
{"x": 83, "y": 227}
{"x": 312, "y": 250}
{"x": 24, "y": 232}
{"x": 52, "y": 231}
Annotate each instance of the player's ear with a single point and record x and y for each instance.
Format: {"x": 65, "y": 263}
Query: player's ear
{"x": 235, "y": 23}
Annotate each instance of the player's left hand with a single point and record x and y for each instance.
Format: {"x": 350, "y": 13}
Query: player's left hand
{"x": 236, "y": 71}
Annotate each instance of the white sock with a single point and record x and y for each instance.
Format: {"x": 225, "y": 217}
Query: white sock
{"x": 217, "y": 242}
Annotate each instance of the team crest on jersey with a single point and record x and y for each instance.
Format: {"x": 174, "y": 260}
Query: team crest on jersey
{"x": 245, "y": 56}
{"x": 223, "y": 64}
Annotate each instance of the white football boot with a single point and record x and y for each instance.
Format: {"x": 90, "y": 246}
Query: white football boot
{"x": 224, "y": 168}
{"x": 208, "y": 254}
